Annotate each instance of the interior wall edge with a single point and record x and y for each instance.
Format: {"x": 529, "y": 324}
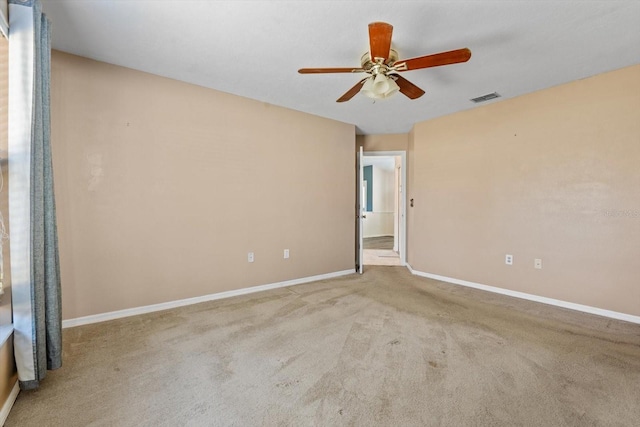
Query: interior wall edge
{"x": 165, "y": 188}
{"x": 112, "y": 315}
{"x": 383, "y": 142}
{"x": 549, "y": 178}
{"x": 8, "y": 404}
{"x": 530, "y": 297}
{"x": 9, "y": 386}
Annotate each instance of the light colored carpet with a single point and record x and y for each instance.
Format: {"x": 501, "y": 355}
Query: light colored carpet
{"x": 380, "y": 257}
{"x": 381, "y": 242}
{"x": 385, "y": 348}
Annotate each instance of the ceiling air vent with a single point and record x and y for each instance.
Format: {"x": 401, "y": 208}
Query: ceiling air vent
{"x": 486, "y": 97}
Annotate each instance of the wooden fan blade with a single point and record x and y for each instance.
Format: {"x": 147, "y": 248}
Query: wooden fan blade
{"x": 380, "y": 40}
{"x": 407, "y": 88}
{"x": 351, "y": 92}
{"x": 329, "y": 70}
{"x": 435, "y": 60}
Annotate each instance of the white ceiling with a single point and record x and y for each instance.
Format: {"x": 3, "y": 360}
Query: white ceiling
{"x": 254, "y": 48}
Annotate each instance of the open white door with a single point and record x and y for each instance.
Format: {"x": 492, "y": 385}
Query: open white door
{"x": 360, "y": 211}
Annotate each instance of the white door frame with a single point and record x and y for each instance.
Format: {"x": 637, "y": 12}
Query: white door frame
{"x": 360, "y": 214}
{"x": 403, "y": 198}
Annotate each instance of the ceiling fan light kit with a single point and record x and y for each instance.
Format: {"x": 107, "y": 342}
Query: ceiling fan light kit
{"x": 379, "y": 87}
{"x": 383, "y": 66}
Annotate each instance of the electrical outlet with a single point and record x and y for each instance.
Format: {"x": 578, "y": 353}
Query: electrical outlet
{"x": 250, "y": 257}
{"x": 537, "y": 263}
{"x": 508, "y": 259}
{"x": 286, "y": 253}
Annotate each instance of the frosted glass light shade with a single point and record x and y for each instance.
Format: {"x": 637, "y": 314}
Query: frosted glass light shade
{"x": 379, "y": 87}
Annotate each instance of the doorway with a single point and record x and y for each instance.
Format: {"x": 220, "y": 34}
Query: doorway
{"x": 383, "y": 218}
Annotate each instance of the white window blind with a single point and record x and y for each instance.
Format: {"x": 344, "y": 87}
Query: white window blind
{"x": 4, "y": 19}
{"x": 4, "y": 169}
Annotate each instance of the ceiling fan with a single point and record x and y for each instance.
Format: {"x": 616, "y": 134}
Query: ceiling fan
{"x": 383, "y": 66}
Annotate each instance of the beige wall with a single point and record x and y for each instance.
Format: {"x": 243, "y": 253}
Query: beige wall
{"x": 163, "y": 187}
{"x": 552, "y": 175}
{"x": 8, "y": 372}
{"x": 383, "y": 142}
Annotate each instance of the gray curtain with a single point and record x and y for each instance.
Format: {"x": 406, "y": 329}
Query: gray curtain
{"x": 34, "y": 245}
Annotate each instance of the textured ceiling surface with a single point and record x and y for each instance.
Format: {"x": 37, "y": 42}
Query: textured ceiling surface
{"x": 254, "y": 48}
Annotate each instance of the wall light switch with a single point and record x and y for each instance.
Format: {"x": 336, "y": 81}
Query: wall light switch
{"x": 508, "y": 259}
{"x": 286, "y": 253}
{"x": 250, "y": 257}
{"x": 537, "y": 263}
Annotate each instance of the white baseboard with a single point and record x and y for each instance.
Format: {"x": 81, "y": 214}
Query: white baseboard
{"x": 8, "y": 404}
{"x": 531, "y": 297}
{"x": 103, "y": 317}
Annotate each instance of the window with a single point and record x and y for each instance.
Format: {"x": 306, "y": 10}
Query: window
{"x": 5, "y": 297}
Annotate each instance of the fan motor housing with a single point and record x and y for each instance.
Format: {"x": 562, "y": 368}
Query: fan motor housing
{"x": 368, "y": 64}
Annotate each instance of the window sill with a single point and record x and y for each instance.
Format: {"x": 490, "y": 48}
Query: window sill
{"x": 5, "y": 333}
